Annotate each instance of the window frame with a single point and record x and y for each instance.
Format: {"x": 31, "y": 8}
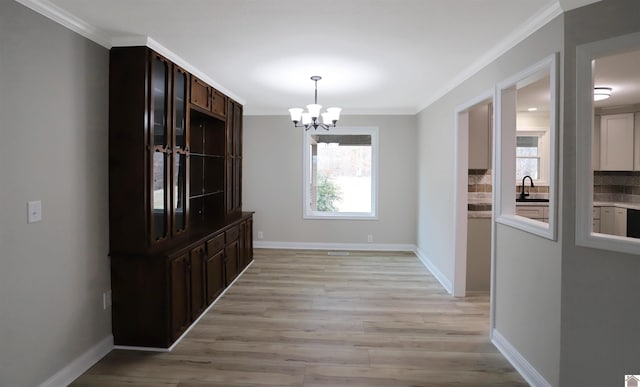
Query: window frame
{"x": 307, "y": 213}
{"x": 585, "y": 55}
{"x": 505, "y": 128}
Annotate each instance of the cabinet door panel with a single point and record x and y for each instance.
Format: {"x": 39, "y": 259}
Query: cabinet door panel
{"x": 215, "y": 275}
{"x": 219, "y": 103}
{"x": 620, "y": 223}
{"x": 159, "y": 195}
{"x": 480, "y": 137}
{"x": 616, "y": 142}
{"x": 160, "y": 92}
{"x": 200, "y": 94}
{"x": 231, "y": 253}
{"x": 607, "y": 220}
{"x": 178, "y": 272}
{"x": 198, "y": 298}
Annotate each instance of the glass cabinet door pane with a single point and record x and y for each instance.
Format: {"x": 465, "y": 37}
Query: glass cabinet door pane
{"x": 180, "y": 190}
{"x": 180, "y": 101}
{"x": 159, "y": 99}
{"x": 159, "y": 196}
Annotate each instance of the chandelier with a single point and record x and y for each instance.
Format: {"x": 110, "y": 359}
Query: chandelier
{"x": 309, "y": 119}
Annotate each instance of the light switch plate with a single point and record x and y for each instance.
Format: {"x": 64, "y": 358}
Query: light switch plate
{"x": 34, "y": 211}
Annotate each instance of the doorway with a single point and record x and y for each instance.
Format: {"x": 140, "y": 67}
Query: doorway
{"x": 473, "y": 225}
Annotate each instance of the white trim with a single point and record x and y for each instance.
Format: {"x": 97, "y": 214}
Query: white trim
{"x": 307, "y": 213}
{"x": 137, "y": 40}
{"x": 75, "y": 24}
{"x": 81, "y": 364}
{"x": 505, "y": 194}
{"x": 529, "y": 27}
{"x": 584, "y": 119}
{"x": 461, "y": 168}
{"x": 444, "y": 281}
{"x": 333, "y": 246}
{"x": 49, "y": 10}
{"x": 524, "y": 368}
{"x": 193, "y": 324}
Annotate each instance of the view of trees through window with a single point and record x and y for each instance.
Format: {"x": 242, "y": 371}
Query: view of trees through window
{"x": 341, "y": 173}
{"x": 527, "y": 157}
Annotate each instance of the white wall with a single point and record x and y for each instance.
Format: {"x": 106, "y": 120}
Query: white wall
{"x": 53, "y": 147}
{"x": 600, "y": 289}
{"x": 528, "y": 287}
{"x": 272, "y": 184}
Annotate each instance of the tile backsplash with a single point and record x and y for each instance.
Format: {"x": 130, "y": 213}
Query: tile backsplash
{"x": 479, "y": 190}
{"x": 616, "y": 186}
{"x": 535, "y": 192}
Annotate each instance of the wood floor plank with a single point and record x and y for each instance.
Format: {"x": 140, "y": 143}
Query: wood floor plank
{"x": 306, "y": 318}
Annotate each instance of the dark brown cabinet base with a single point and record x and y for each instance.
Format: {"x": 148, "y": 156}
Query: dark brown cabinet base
{"x": 176, "y": 227}
{"x": 157, "y": 297}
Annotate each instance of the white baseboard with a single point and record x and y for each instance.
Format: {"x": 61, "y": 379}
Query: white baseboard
{"x": 444, "y": 281}
{"x": 80, "y": 365}
{"x": 524, "y": 368}
{"x": 333, "y": 246}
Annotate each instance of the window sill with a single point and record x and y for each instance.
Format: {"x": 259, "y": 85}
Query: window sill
{"x": 343, "y": 216}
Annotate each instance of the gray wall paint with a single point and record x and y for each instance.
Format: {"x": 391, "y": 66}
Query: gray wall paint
{"x": 528, "y": 286}
{"x": 54, "y": 122}
{"x": 478, "y": 255}
{"x": 272, "y": 183}
{"x": 600, "y": 294}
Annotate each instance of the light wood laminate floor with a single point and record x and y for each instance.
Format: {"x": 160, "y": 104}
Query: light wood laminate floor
{"x": 304, "y": 318}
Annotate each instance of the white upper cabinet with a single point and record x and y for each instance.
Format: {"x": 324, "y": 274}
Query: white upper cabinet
{"x": 616, "y": 142}
{"x": 480, "y": 127}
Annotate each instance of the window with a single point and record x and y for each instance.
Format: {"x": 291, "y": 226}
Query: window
{"x": 340, "y": 173}
{"x": 527, "y": 157}
{"x": 532, "y": 157}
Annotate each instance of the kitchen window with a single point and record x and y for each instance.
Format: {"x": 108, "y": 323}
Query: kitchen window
{"x": 531, "y": 156}
{"x": 340, "y": 180}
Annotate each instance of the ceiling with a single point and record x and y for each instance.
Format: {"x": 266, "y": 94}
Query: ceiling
{"x": 621, "y": 73}
{"x": 375, "y": 56}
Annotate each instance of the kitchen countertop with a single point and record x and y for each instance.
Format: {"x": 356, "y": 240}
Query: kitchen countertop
{"x": 629, "y": 206}
{"x": 487, "y": 214}
{"x": 537, "y": 204}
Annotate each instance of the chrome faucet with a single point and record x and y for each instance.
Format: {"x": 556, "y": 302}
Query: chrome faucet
{"x": 523, "y": 194}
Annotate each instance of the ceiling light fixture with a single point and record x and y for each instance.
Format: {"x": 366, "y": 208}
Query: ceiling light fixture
{"x": 600, "y": 93}
{"x": 310, "y": 118}
{"x": 532, "y": 109}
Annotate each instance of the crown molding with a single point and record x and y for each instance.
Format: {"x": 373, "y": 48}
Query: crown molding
{"x": 99, "y": 36}
{"x": 139, "y": 40}
{"x": 401, "y": 111}
{"x": 536, "y": 22}
{"x": 75, "y": 24}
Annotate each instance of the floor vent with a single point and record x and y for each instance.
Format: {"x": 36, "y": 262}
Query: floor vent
{"x": 338, "y": 253}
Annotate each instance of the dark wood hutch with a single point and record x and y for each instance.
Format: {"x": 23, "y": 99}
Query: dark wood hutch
{"x": 178, "y": 236}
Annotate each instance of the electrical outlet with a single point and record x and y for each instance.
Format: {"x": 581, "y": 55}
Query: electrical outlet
{"x": 106, "y": 299}
{"x": 260, "y": 235}
{"x": 369, "y": 238}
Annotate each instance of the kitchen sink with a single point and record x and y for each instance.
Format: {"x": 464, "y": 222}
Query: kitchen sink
{"x": 532, "y": 200}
